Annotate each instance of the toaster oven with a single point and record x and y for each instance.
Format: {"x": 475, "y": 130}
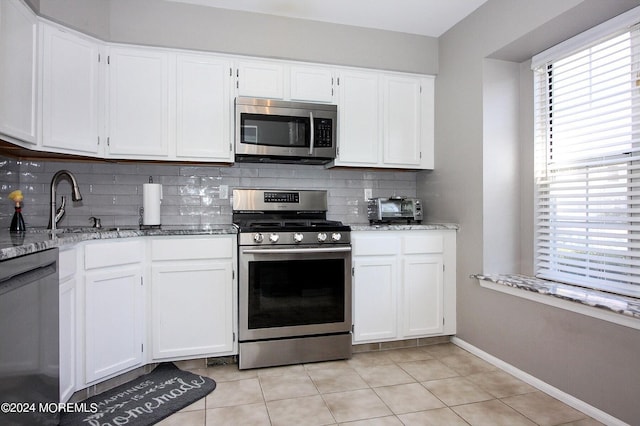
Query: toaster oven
{"x": 394, "y": 209}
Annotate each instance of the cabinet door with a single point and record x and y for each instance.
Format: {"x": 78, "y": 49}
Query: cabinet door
{"x": 67, "y": 339}
{"x": 203, "y": 126}
{"x": 358, "y": 109}
{"x": 138, "y": 103}
{"x": 67, "y": 270}
{"x": 422, "y": 299}
{"x": 260, "y": 79}
{"x": 311, "y": 84}
{"x": 18, "y": 76}
{"x": 402, "y": 121}
{"x": 374, "y": 298}
{"x": 70, "y": 91}
{"x": 113, "y": 321}
{"x": 192, "y": 309}
{"x": 427, "y": 132}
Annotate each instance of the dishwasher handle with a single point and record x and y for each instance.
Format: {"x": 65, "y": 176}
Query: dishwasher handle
{"x": 14, "y": 282}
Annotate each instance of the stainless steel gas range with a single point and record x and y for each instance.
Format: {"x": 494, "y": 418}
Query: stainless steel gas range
{"x": 294, "y": 278}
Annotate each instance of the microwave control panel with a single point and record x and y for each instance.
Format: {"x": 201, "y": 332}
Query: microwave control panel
{"x": 323, "y": 132}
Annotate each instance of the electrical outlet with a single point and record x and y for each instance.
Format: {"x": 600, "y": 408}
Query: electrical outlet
{"x": 224, "y": 192}
{"x": 368, "y": 193}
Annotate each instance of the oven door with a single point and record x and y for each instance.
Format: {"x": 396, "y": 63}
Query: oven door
{"x": 292, "y": 291}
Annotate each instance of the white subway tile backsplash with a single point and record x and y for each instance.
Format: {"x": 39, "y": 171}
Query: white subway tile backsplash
{"x": 113, "y": 191}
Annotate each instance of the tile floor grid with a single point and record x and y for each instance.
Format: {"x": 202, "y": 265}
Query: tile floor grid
{"x": 428, "y": 385}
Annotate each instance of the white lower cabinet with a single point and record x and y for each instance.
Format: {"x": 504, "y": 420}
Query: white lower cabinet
{"x": 113, "y": 308}
{"x": 192, "y": 297}
{"x": 403, "y": 284}
{"x": 174, "y": 294}
{"x": 422, "y": 303}
{"x": 374, "y": 296}
{"x": 67, "y": 270}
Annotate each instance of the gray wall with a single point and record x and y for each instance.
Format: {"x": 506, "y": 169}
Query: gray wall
{"x": 113, "y": 191}
{"x": 593, "y": 360}
{"x": 162, "y": 23}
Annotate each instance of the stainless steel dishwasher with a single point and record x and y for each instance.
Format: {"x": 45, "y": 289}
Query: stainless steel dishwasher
{"x": 29, "y": 348}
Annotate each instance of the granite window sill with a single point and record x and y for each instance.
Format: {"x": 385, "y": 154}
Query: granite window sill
{"x": 609, "y": 307}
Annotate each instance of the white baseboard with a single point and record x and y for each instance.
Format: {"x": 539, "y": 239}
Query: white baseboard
{"x": 570, "y": 400}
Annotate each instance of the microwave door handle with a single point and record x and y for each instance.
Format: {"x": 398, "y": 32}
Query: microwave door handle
{"x": 311, "y": 142}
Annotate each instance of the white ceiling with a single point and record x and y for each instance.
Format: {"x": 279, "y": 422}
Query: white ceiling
{"x": 424, "y": 17}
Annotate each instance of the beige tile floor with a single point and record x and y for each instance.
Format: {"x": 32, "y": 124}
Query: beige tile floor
{"x": 429, "y": 385}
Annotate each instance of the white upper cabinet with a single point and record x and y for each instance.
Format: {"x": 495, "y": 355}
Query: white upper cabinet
{"x": 386, "y": 120}
{"x": 311, "y": 83}
{"x": 427, "y": 118}
{"x": 409, "y": 121}
{"x": 146, "y": 103}
{"x": 260, "y": 79}
{"x": 203, "y": 108}
{"x": 139, "y": 111}
{"x": 18, "y": 71}
{"x": 401, "y": 109}
{"x": 358, "y": 119}
{"x": 71, "y": 98}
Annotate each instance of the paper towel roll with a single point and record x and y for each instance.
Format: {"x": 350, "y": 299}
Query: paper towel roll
{"x": 151, "y": 199}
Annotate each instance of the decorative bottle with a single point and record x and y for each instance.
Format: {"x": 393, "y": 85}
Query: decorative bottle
{"x": 17, "y": 222}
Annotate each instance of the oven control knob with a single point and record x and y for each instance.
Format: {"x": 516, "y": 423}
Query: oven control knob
{"x": 297, "y": 237}
{"x": 258, "y": 237}
{"x": 322, "y": 237}
{"x": 274, "y": 238}
{"x": 336, "y": 236}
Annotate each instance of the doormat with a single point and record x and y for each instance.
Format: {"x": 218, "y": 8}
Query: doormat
{"x": 142, "y": 401}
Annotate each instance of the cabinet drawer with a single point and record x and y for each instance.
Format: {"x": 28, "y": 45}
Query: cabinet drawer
{"x": 192, "y": 249}
{"x": 102, "y": 255}
{"x": 375, "y": 245}
{"x": 419, "y": 244}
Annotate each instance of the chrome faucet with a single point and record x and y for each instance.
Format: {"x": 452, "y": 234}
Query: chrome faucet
{"x": 56, "y": 215}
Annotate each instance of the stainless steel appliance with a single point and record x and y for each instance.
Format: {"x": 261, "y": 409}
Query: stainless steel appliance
{"x": 394, "y": 209}
{"x": 29, "y": 348}
{"x": 284, "y": 132}
{"x": 294, "y": 279}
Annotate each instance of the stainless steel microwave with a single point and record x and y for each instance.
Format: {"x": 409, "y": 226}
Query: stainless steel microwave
{"x": 284, "y": 132}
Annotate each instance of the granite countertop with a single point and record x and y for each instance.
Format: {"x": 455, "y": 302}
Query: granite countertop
{"x": 38, "y": 239}
{"x": 405, "y": 227}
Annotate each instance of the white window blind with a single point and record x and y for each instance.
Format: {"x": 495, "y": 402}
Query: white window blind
{"x": 588, "y": 165}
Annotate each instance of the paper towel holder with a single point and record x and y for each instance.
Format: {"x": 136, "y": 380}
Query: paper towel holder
{"x": 141, "y": 218}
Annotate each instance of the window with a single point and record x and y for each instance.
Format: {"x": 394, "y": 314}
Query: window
{"x": 588, "y": 164}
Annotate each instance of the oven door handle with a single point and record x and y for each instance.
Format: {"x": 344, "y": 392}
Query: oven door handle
{"x": 298, "y": 250}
